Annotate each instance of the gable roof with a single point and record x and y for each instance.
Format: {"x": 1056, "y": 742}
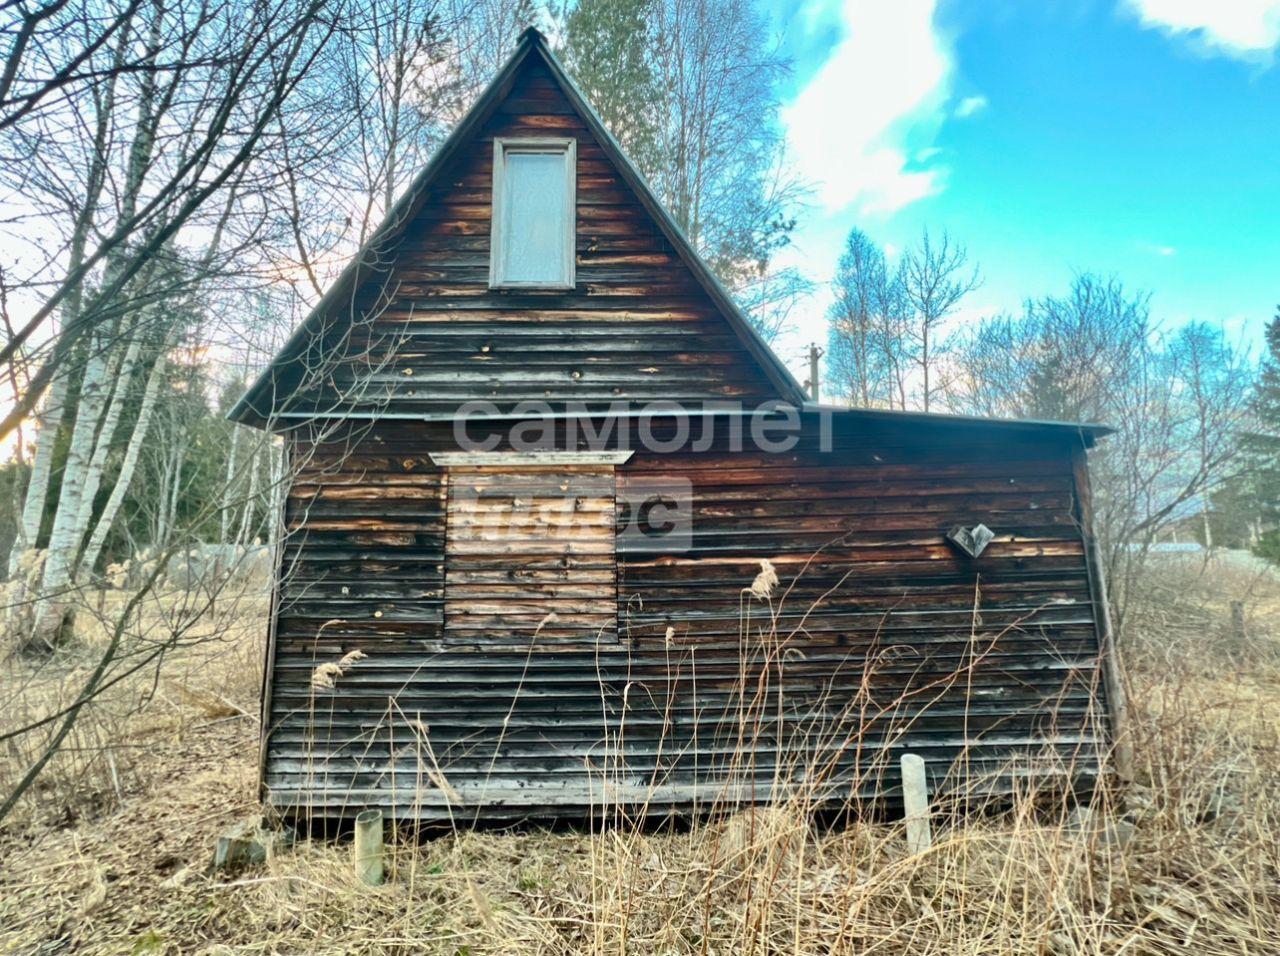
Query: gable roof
{"x": 263, "y": 397}
{"x": 258, "y": 402}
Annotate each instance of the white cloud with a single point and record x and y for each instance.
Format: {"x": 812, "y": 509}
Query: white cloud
{"x": 854, "y": 129}
{"x": 1247, "y": 29}
{"x": 970, "y": 105}
{"x": 1157, "y": 249}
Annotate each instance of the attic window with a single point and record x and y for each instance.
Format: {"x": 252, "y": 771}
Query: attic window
{"x": 532, "y": 244}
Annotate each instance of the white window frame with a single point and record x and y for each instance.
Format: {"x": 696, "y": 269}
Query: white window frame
{"x": 568, "y": 148}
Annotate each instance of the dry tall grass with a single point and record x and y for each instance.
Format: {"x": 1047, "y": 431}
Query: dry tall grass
{"x": 1185, "y": 861}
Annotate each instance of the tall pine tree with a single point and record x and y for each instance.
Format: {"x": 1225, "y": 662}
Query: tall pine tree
{"x": 1263, "y": 446}
{"x": 1246, "y": 509}
{"x": 690, "y": 90}
{"x": 605, "y": 50}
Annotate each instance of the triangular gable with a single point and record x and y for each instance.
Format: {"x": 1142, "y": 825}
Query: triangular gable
{"x": 641, "y": 288}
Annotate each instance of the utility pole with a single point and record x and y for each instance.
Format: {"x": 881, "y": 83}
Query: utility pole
{"x": 815, "y": 353}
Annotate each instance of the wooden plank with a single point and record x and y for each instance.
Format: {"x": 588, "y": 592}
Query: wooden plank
{"x": 516, "y": 460}
{"x": 1116, "y": 699}
{"x": 512, "y": 508}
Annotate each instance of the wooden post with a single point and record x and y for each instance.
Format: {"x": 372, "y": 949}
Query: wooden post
{"x": 1238, "y": 632}
{"x": 915, "y": 804}
{"x": 815, "y": 353}
{"x": 1113, "y": 683}
{"x": 368, "y": 847}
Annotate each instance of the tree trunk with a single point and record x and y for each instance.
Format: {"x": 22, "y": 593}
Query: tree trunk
{"x": 278, "y": 491}
{"x": 123, "y": 379}
{"x": 246, "y": 517}
{"x": 55, "y": 602}
{"x": 228, "y": 497}
{"x": 50, "y": 419}
{"x": 52, "y": 615}
{"x": 127, "y": 467}
{"x": 48, "y": 423}
{"x": 168, "y": 510}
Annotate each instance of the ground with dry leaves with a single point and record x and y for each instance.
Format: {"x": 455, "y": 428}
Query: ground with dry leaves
{"x": 1186, "y": 861}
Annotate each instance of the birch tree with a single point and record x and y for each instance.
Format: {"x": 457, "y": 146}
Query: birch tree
{"x": 221, "y": 74}
{"x": 399, "y": 76}
{"x": 81, "y": 208}
{"x": 177, "y": 119}
{"x": 867, "y": 359}
{"x": 124, "y": 479}
{"x": 935, "y": 278}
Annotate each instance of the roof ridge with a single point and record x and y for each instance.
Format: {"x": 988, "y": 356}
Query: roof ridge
{"x": 531, "y": 34}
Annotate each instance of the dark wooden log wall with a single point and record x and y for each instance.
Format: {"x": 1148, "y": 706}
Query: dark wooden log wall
{"x": 880, "y": 639}
{"x": 636, "y": 328}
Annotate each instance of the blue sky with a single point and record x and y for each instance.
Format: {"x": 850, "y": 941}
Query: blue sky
{"x": 1139, "y": 138}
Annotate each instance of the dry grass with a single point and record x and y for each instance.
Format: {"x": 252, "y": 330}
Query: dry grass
{"x": 1199, "y": 871}
{"x": 185, "y": 660}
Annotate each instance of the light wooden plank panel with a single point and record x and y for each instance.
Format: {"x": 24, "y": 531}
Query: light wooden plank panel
{"x": 498, "y": 520}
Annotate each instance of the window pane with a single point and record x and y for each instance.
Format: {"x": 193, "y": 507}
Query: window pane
{"x": 533, "y": 241}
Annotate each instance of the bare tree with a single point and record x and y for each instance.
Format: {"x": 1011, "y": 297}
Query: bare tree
{"x": 691, "y": 87}
{"x": 395, "y": 79}
{"x": 935, "y": 278}
{"x": 211, "y": 161}
{"x": 867, "y": 328}
{"x": 52, "y": 52}
{"x": 1215, "y": 380}
{"x": 1177, "y": 404}
{"x": 190, "y": 129}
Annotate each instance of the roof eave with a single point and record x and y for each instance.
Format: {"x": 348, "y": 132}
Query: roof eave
{"x": 1089, "y": 431}
{"x": 401, "y": 213}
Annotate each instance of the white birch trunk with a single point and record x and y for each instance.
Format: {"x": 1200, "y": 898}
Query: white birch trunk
{"x": 122, "y": 379}
{"x": 67, "y": 534}
{"x": 246, "y": 517}
{"x": 161, "y": 495}
{"x": 175, "y": 495}
{"x": 228, "y": 497}
{"x": 128, "y": 465}
{"x": 277, "y": 494}
{"x": 168, "y": 509}
{"x": 48, "y": 422}
{"x": 51, "y": 417}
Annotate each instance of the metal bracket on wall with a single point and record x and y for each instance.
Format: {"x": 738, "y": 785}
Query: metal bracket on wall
{"x": 972, "y": 541}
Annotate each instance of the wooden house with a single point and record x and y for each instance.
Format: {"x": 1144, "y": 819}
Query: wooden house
{"x": 564, "y": 534}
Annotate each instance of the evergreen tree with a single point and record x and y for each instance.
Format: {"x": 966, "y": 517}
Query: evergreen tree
{"x": 1262, "y": 447}
{"x": 1267, "y": 402}
{"x": 1246, "y": 509}
{"x": 605, "y": 50}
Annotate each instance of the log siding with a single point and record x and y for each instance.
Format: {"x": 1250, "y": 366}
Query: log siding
{"x": 434, "y": 335}
{"x": 880, "y": 638}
